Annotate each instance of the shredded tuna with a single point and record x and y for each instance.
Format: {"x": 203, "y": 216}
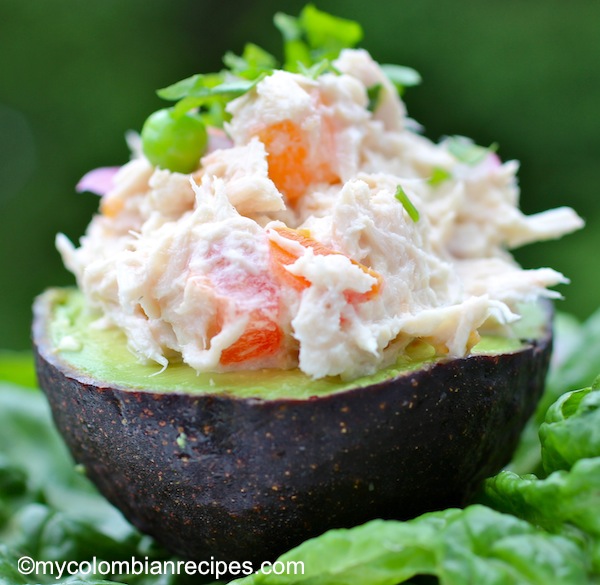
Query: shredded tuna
{"x": 199, "y": 267}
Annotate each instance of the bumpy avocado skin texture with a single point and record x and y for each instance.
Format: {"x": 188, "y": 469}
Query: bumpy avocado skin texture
{"x": 247, "y": 479}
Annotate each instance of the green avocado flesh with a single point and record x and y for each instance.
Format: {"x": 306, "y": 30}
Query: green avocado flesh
{"x": 102, "y": 355}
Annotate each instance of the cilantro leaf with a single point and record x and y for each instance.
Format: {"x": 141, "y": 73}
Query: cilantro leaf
{"x": 190, "y": 86}
{"x": 211, "y": 92}
{"x": 314, "y": 36}
{"x": 289, "y": 26}
{"x": 206, "y": 86}
{"x": 401, "y": 76}
{"x": 466, "y": 151}
{"x": 327, "y": 33}
{"x": 252, "y": 63}
{"x": 317, "y": 69}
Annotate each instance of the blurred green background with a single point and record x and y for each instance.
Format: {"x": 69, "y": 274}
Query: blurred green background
{"x": 75, "y": 75}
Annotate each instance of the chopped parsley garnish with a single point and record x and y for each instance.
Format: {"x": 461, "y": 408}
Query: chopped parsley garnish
{"x": 412, "y": 211}
{"x": 438, "y": 176}
{"x": 466, "y": 151}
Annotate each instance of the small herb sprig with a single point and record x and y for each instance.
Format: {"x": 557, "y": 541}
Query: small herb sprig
{"x": 175, "y": 137}
{"x": 412, "y": 211}
{"x": 466, "y": 151}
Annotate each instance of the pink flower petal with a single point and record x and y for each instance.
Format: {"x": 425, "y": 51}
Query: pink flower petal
{"x": 99, "y": 181}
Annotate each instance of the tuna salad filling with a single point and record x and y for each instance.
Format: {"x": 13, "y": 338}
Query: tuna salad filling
{"x": 316, "y": 231}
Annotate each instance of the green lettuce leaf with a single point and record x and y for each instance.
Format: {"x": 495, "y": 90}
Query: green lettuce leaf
{"x": 574, "y": 365}
{"x": 17, "y": 367}
{"x": 562, "y": 503}
{"x": 568, "y": 500}
{"x": 572, "y": 430}
{"x": 48, "y": 509}
{"x": 9, "y": 575}
{"x": 474, "y": 545}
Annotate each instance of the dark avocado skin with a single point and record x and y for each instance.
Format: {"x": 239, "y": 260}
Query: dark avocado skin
{"x": 253, "y": 478}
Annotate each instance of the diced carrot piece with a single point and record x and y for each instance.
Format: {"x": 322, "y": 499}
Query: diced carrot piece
{"x": 262, "y": 338}
{"x": 280, "y": 258}
{"x": 288, "y": 160}
{"x": 255, "y": 294}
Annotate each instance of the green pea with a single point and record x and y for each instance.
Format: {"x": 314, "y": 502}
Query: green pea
{"x": 174, "y": 142}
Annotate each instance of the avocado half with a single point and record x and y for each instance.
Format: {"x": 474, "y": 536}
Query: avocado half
{"x": 245, "y": 466}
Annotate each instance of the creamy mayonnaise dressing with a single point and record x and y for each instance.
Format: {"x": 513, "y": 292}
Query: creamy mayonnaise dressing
{"x": 288, "y": 246}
